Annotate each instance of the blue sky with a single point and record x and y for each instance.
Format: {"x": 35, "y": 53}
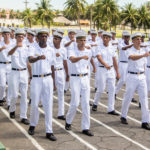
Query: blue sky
{"x": 57, "y": 4}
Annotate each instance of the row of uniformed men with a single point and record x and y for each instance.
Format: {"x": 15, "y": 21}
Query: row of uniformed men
{"x": 43, "y": 56}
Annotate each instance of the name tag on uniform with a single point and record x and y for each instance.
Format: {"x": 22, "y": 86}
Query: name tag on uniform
{"x": 37, "y": 55}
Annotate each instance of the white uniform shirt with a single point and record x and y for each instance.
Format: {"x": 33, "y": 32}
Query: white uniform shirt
{"x": 59, "y": 60}
{"x": 43, "y": 66}
{"x": 80, "y": 67}
{"x": 4, "y": 53}
{"x": 107, "y": 54}
{"x": 19, "y": 58}
{"x": 122, "y": 53}
{"x": 136, "y": 65}
{"x": 93, "y": 48}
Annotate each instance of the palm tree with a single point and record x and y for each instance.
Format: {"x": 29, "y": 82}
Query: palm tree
{"x": 18, "y": 14}
{"x": 3, "y": 13}
{"x": 105, "y": 11}
{"x": 28, "y": 17}
{"x": 44, "y": 12}
{"x": 76, "y": 8}
{"x": 144, "y": 18}
{"x": 12, "y": 14}
{"x": 129, "y": 15}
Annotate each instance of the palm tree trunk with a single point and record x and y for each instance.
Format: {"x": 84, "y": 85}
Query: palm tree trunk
{"x": 79, "y": 20}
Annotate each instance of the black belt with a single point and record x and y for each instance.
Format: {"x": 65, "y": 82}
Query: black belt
{"x": 104, "y": 66}
{"x": 148, "y": 66}
{"x": 44, "y": 75}
{"x": 5, "y": 62}
{"x": 79, "y": 75}
{"x": 124, "y": 61}
{"x": 135, "y": 72}
{"x": 57, "y": 69}
{"x": 94, "y": 56}
{"x": 19, "y": 69}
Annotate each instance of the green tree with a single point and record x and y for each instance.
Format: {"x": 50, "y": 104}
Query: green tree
{"x": 143, "y": 18}
{"x": 104, "y": 12}
{"x": 12, "y": 14}
{"x": 3, "y": 13}
{"x": 28, "y": 17}
{"x": 44, "y": 13}
{"x": 129, "y": 15}
{"x": 76, "y": 8}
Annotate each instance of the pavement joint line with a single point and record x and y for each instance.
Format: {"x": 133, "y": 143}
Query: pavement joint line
{"x": 113, "y": 130}
{"x": 33, "y": 141}
{"x": 133, "y": 119}
{"x": 71, "y": 133}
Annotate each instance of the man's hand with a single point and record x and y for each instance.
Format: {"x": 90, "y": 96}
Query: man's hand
{"x": 4, "y": 47}
{"x": 41, "y": 57}
{"x": 107, "y": 67}
{"x": 67, "y": 77}
{"x": 57, "y": 54}
{"x": 146, "y": 54}
{"x": 85, "y": 57}
{"x": 118, "y": 76}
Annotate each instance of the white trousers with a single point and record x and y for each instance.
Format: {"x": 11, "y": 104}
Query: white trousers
{"x": 42, "y": 89}
{"x": 106, "y": 77}
{"x": 5, "y": 70}
{"x": 136, "y": 82}
{"x": 19, "y": 82}
{"x": 80, "y": 86}
{"x": 148, "y": 78}
{"x": 60, "y": 84}
{"x": 123, "y": 75}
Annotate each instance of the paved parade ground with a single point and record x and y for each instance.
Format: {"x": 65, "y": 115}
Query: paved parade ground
{"x": 109, "y": 133}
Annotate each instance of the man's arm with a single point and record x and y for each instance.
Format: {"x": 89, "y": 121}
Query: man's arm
{"x": 116, "y": 67}
{"x": 126, "y": 47}
{"x": 99, "y": 57}
{"x": 35, "y": 59}
{"x": 93, "y": 65}
{"x": 136, "y": 57}
{"x": 11, "y": 52}
{"x": 66, "y": 69}
{"x": 76, "y": 59}
{"x": 2, "y": 48}
{"x": 53, "y": 76}
{"x": 67, "y": 44}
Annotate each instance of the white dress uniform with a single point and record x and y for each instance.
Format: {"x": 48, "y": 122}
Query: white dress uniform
{"x": 94, "y": 50}
{"x": 148, "y": 70}
{"x": 115, "y": 47}
{"x": 60, "y": 78}
{"x": 70, "y": 47}
{"x": 136, "y": 80}
{"x": 123, "y": 65}
{"x": 19, "y": 79}
{"x": 42, "y": 86}
{"x": 80, "y": 86}
{"x": 106, "y": 76}
{"x": 5, "y": 69}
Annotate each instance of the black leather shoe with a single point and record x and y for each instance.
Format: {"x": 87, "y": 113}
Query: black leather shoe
{"x": 68, "y": 126}
{"x": 115, "y": 96}
{"x": 8, "y": 107}
{"x": 87, "y": 132}
{"x": 29, "y": 101}
{"x": 133, "y": 100}
{"x": 65, "y": 91}
{"x": 31, "y": 130}
{"x": 95, "y": 89}
{"x": 1, "y": 103}
{"x": 25, "y": 121}
{"x": 94, "y": 107}
{"x": 51, "y": 136}
{"x": 139, "y": 105}
{"x": 123, "y": 120}
{"x": 113, "y": 113}
{"x": 61, "y": 117}
{"x": 145, "y": 126}
{"x": 12, "y": 115}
